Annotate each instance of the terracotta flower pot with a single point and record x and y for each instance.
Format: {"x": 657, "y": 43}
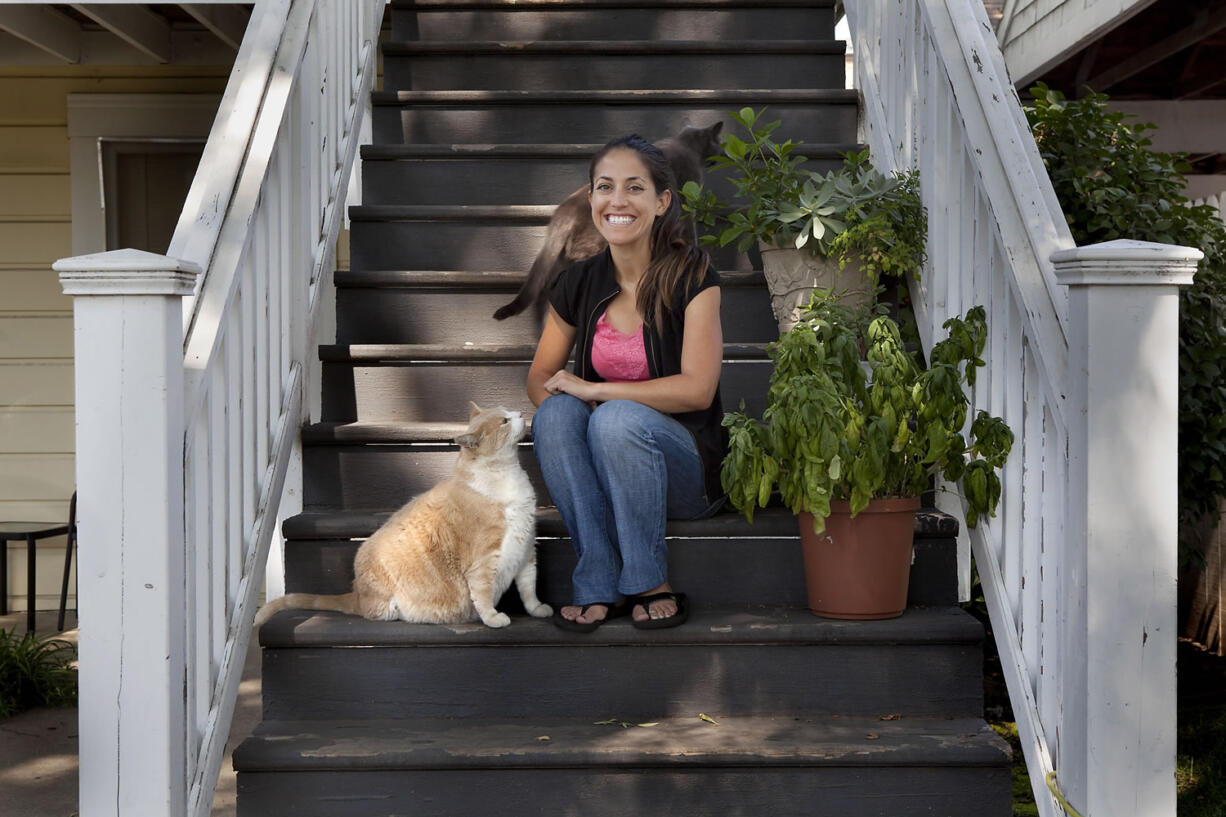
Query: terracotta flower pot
{"x": 859, "y": 568}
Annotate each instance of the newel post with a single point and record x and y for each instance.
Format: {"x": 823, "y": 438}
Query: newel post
{"x": 1116, "y": 750}
{"x": 128, "y": 327}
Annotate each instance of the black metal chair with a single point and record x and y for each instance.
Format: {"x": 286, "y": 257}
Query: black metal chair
{"x": 71, "y": 540}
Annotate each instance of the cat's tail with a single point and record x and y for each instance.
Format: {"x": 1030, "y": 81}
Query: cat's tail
{"x": 344, "y": 603}
{"x": 539, "y": 276}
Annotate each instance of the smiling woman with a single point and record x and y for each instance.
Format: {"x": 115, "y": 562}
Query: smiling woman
{"x": 632, "y": 436}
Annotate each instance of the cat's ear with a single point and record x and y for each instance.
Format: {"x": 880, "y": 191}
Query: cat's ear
{"x": 716, "y": 129}
{"x": 473, "y": 409}
{"x": 468, "y": 440}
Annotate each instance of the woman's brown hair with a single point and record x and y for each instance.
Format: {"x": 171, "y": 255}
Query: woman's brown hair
{"x": 676, "y": 262}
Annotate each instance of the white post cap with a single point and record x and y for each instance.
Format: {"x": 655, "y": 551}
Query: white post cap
{"x": 126, "y": 272}
{"x": 1126, "y": 262}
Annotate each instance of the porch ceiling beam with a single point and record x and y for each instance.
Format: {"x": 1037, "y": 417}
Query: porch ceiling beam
{"x": 45, "y": 29}
{"x": 136, "y": 25}
{"x": 226, "y": 22}
{"x": 1199, "y": 85}
{"x": 1206, "y": 24}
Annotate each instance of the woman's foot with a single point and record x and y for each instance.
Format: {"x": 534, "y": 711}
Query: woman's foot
{"x": 586, "y": 614}
{"x": 659, "y": 608}
{"x": 586, "y": 618}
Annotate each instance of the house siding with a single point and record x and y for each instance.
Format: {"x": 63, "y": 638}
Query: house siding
{"x": 1038, "y": 34}
{"x": 36, "y": 371}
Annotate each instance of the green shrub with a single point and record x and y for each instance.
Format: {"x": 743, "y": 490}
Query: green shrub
{"x": 1112, "y": 185}
{"x": 35, "y": 671}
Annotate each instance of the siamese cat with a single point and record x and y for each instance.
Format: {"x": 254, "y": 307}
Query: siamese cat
{"x": 448, "y": 555}
{"x": 571, "y": 236}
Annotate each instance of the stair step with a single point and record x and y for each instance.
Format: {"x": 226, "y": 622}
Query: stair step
{"x": 405, "y": 306}
{"x": 438, "y": 237}
{"x": 609, "y": 19}
{"x": 744, "y": 767}
{"x": 509, "y": 173}
{"x": 427, "y": 382}
{"x": 825, "y": 115}
{"x": 737, "y": 661}
{"x": 706, "y": 553}
{"x": 543, "y": 65}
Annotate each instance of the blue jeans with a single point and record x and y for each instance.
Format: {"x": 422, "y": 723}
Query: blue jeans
{"x": 616, "y": 473}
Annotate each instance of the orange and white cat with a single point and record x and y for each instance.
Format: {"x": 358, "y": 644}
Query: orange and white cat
{"x": 448, "y": 555}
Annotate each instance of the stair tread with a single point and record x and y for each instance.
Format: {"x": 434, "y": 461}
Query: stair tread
{"x": 759, "y": 96}
{"x": 747, "y": 741}
{"x": 535, "y": 213}
{"x": 409, "y": 352}
{"x": 533, "y": 5}
{"x": 484, "y": 279}
{"x": 773, "y": 521}
{"x": 544, "y": 151}
{"x": 298, "y": 629}
{"x": 626, "y": 47}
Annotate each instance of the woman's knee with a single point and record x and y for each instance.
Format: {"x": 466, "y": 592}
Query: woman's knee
{"x": 560, "y": 416}
{"x": 619, "y": 423}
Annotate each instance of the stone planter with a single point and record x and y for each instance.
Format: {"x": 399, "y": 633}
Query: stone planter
{"x": 792, "y": 274}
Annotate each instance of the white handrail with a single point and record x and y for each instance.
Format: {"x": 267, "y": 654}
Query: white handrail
{"x": 1081, "y": 350}
{"x": 259, "y": 227}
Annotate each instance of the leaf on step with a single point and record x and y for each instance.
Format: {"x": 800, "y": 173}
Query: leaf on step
{"x": 707, "y": 718}
{"x": 609, "y": 722}
{"x": 653, "y": 723}
{"x": 892, "y": 717}
{"x": 872, "y": 736}
{"x": 543, "y": 737}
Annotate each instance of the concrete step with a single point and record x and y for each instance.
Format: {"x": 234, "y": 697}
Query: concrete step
{"x": 466, "y": 20}
{"x": 503, "y": 237}
{"x": 479, "y": 117}
{"x": 606, "y": 65}
{"x": 707, "y": 553}
{"x": 735, "y": 661}
{"x": 742, "y": 767}
{"x": 402, "y": 382}
{"x": 424, "y": 307}
{"x": 510, "y": 174}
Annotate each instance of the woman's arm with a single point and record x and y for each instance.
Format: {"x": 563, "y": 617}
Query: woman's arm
{"x": 552, "y": 352}
{"x": 702, "y": 352}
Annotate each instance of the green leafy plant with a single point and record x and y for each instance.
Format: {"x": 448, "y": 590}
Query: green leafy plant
{"x": 831, "y": 430}
{"x": 1111, "y": 184}
{"x": 35, "y": 671}
{"x": 854, "y": 211}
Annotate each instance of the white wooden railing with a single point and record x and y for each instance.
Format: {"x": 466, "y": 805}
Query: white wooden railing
{"x": 1078, "y": 567}
{"x": 191, "y": 372}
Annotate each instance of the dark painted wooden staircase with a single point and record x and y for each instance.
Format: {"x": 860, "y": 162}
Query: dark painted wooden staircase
{"x": 491, "y": 110}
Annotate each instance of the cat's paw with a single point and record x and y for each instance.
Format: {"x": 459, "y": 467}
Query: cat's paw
{"x": 497, "y": 620}
{"x": 541, "y": 611}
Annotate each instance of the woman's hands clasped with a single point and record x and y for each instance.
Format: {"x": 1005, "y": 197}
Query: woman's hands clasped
{"x": 563, "y": 382}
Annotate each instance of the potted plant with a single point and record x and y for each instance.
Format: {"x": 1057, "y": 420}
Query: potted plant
{"x": 852, "y": 444}
{"x": 840, "y": 231}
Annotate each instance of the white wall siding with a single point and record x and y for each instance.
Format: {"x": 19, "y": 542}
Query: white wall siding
{"x": 1037, "y": 34}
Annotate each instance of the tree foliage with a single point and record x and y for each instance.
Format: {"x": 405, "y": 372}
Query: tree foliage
{"x": 1111, "y": 184}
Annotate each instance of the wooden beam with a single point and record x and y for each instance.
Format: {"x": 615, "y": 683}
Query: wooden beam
{"x": 1204, "y": 25}
{"x": 45, "y": 29}
{"x": 227, "y": 22}
{"x": 139, "y": 27}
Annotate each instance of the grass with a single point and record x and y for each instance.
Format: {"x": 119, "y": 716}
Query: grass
{"x": 1200, "y": 772}
{"x": 35, "y": 671}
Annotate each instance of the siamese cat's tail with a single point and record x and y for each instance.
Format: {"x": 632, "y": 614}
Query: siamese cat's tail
{"x": 543, "y": 269}
{"x": 344, "y": 603}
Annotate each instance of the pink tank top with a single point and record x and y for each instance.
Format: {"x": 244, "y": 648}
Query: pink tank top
{"x": 616, "y": 356}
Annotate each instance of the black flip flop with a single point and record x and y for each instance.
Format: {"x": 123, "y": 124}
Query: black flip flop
{"x": 675, "y": 620}
{"x": 614, "y": 611}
